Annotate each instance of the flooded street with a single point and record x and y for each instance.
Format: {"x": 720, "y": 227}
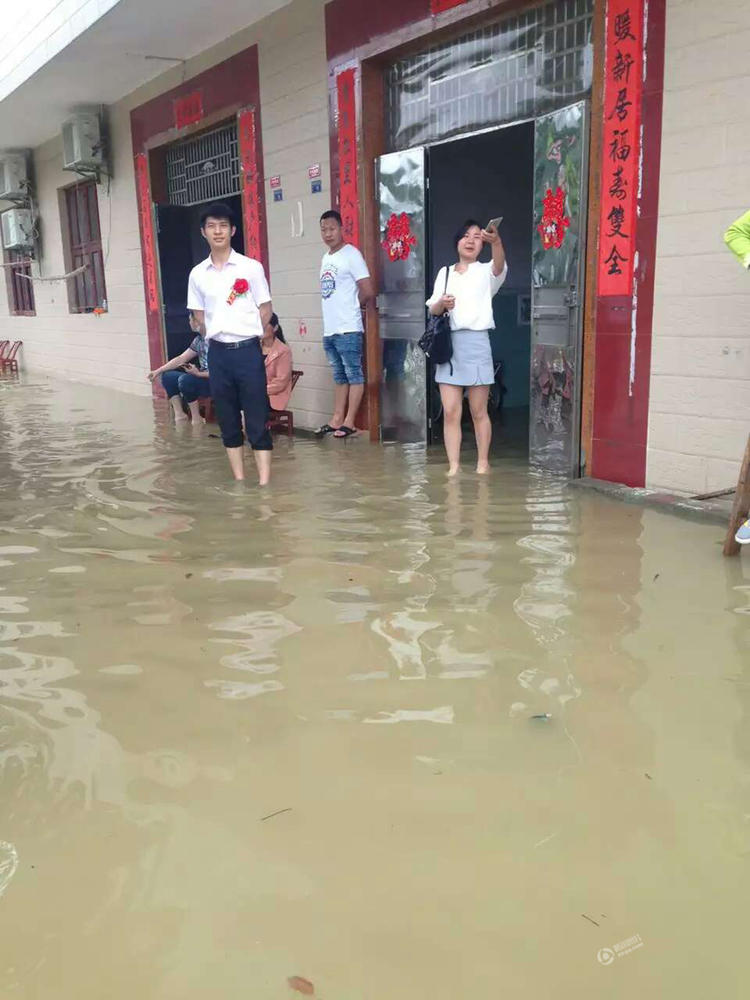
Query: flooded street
{"x": 247, "y": 736}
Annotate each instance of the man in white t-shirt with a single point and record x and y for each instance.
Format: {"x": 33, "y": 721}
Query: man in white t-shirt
{"x": 345, "y": 289}
{"x": 229, "y": 298}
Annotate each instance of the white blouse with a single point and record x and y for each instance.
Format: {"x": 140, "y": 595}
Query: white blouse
{"x": 473, "y": 291}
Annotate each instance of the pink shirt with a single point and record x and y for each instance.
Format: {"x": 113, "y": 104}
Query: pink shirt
{"x": 279, "y": 375}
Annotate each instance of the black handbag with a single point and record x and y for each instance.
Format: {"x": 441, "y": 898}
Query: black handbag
{"x": 436, "y": 341}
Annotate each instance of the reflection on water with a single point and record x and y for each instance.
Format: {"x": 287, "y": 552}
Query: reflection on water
{"x": 213, "y": 776}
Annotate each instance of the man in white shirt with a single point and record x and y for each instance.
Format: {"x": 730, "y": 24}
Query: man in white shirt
{"x": 229, "y": 297}
{"x": 345, "y": 289}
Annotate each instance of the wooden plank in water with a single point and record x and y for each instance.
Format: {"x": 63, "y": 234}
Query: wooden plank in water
{"x": 741, "y": 505}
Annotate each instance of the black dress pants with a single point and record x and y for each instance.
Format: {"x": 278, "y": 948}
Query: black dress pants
{"x": 237, "y": 373}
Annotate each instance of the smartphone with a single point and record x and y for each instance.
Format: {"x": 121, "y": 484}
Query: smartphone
{"x": 494, "y": 224}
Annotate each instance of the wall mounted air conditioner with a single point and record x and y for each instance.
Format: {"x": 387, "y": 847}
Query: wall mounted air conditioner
{"x": 82, "y": 142}
{"x": 13, "y": 177}
{"x": 17, "y": 228}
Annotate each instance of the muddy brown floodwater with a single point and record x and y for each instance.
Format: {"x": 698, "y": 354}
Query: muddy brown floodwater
{"x": 249, "y": 737}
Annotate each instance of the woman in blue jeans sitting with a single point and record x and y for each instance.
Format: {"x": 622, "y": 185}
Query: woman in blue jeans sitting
{"x": 189, "y": 385}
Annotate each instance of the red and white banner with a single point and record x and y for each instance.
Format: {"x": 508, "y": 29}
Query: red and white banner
{"x": 623, "y": 89}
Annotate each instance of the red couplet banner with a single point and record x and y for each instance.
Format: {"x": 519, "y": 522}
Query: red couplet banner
{"x": 347, "y": 143}
{"x": 148, "y": 245}
{"x": 623, "y": 88}
{"x": 251, "y": 191}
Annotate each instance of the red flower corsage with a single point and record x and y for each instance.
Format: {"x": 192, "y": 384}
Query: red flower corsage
{"x": 240, "y": 287}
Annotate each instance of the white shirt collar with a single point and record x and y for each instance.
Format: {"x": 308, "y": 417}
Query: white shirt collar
{"x": 232, "y": 259}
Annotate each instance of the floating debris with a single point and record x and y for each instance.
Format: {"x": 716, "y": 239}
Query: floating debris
{"x": 301, "y": 985}
{"x": 277, "y": 813}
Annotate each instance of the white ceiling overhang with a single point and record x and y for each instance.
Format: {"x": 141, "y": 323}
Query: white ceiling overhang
{"x": 106, "y": 61}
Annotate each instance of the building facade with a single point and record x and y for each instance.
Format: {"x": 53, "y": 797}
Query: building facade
{"x": 607, "y": 134}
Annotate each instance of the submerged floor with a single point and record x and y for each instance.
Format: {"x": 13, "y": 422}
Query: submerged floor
{"x": 247, "y": 737}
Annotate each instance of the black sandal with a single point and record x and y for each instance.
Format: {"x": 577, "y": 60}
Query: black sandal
{"x": 344, "y": 432}
{"x": 325, "y": 429}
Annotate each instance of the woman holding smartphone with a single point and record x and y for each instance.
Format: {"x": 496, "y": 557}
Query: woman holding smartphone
{"x": 467, "y": 296}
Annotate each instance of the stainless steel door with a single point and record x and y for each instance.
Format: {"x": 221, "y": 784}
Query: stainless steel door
{"x": 558, "y": 259}
{"x": 401, "y": 196}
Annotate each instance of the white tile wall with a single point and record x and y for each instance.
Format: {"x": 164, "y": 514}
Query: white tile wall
{"x": 112, "y": 350}
{"x": 699, "y": 414}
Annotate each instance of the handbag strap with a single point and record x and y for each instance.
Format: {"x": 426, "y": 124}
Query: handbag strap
{"x": 447, "y": 272}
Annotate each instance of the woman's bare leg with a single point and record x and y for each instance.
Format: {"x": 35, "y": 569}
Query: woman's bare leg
{"x": 195, "y": 412}
{"x": 179, "y": 413}
{"x": 452, "y": 397}
{"x": 478, "y": 395}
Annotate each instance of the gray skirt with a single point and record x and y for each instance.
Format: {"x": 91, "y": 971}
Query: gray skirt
{"x": 472, "y": 360}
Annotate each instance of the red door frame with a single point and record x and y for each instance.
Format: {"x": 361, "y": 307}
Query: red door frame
{"x": 360, "y": 39}
{"x": 231, "y": 88}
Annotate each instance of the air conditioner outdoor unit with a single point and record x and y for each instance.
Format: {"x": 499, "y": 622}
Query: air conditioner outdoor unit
{"x": 18, "y": 228}
{"x": 13, "y": 176}
{"x": 82, "y": 142}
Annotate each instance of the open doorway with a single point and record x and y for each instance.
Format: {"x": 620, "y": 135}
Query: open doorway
{"x": 191, "y": 174}
{"x": 181, "y": 247}
{"x": 482, "y": 177}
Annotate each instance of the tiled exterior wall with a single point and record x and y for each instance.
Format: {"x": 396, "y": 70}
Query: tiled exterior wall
{"x": 112, "y": 349}
{"x": 699, "y": 414}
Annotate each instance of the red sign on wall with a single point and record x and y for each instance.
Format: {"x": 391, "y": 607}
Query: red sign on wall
{"x": 188, "y": 109}
{"x": 623, "y": 87}
{"x": 251, "y": 191}
{"x": 436, "y": 6}
{"x": 347, "y": 143}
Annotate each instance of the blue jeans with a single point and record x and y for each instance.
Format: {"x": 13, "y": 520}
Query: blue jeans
{"x": 238, "y": 385}
{"x": 344, "y": 353}
{"x": 190, "y": 387}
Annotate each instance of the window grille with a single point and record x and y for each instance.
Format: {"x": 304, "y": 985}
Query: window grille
{"x": 525, "y": 65}
{"x": 204, "y": 168}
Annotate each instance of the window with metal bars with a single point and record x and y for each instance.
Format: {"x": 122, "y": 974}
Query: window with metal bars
{"x": 529, "y": 63}
{"x": 204, "y": 168}
{"x": 20, "y": 290}
{"x": 83, "y": 244}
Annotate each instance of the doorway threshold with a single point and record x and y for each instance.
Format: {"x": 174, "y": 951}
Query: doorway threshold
{"x": 716, "y": 510}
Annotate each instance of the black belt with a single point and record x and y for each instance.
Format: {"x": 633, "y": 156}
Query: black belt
{"x": 236, "y": 344}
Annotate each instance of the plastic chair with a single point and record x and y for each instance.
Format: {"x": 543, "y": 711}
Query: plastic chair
{"x": 279, "y": 420}
{"x": 283, "y": 420}
{"x": 8, "y": 359}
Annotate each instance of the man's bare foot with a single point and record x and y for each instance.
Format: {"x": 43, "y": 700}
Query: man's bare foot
{"x": 452, "y": 471}
{"x": 482, "y": 470}
{"x": 181, "y": 420}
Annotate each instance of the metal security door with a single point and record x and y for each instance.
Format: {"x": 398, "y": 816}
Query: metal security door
{"x": 400, "y": 180}
{"x": 173, "y": 228}
{"x": 558, "y": 258}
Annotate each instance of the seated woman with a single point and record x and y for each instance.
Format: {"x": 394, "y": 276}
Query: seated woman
{"x": 189, "y": 385}
{"x": 278, "y": 358}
